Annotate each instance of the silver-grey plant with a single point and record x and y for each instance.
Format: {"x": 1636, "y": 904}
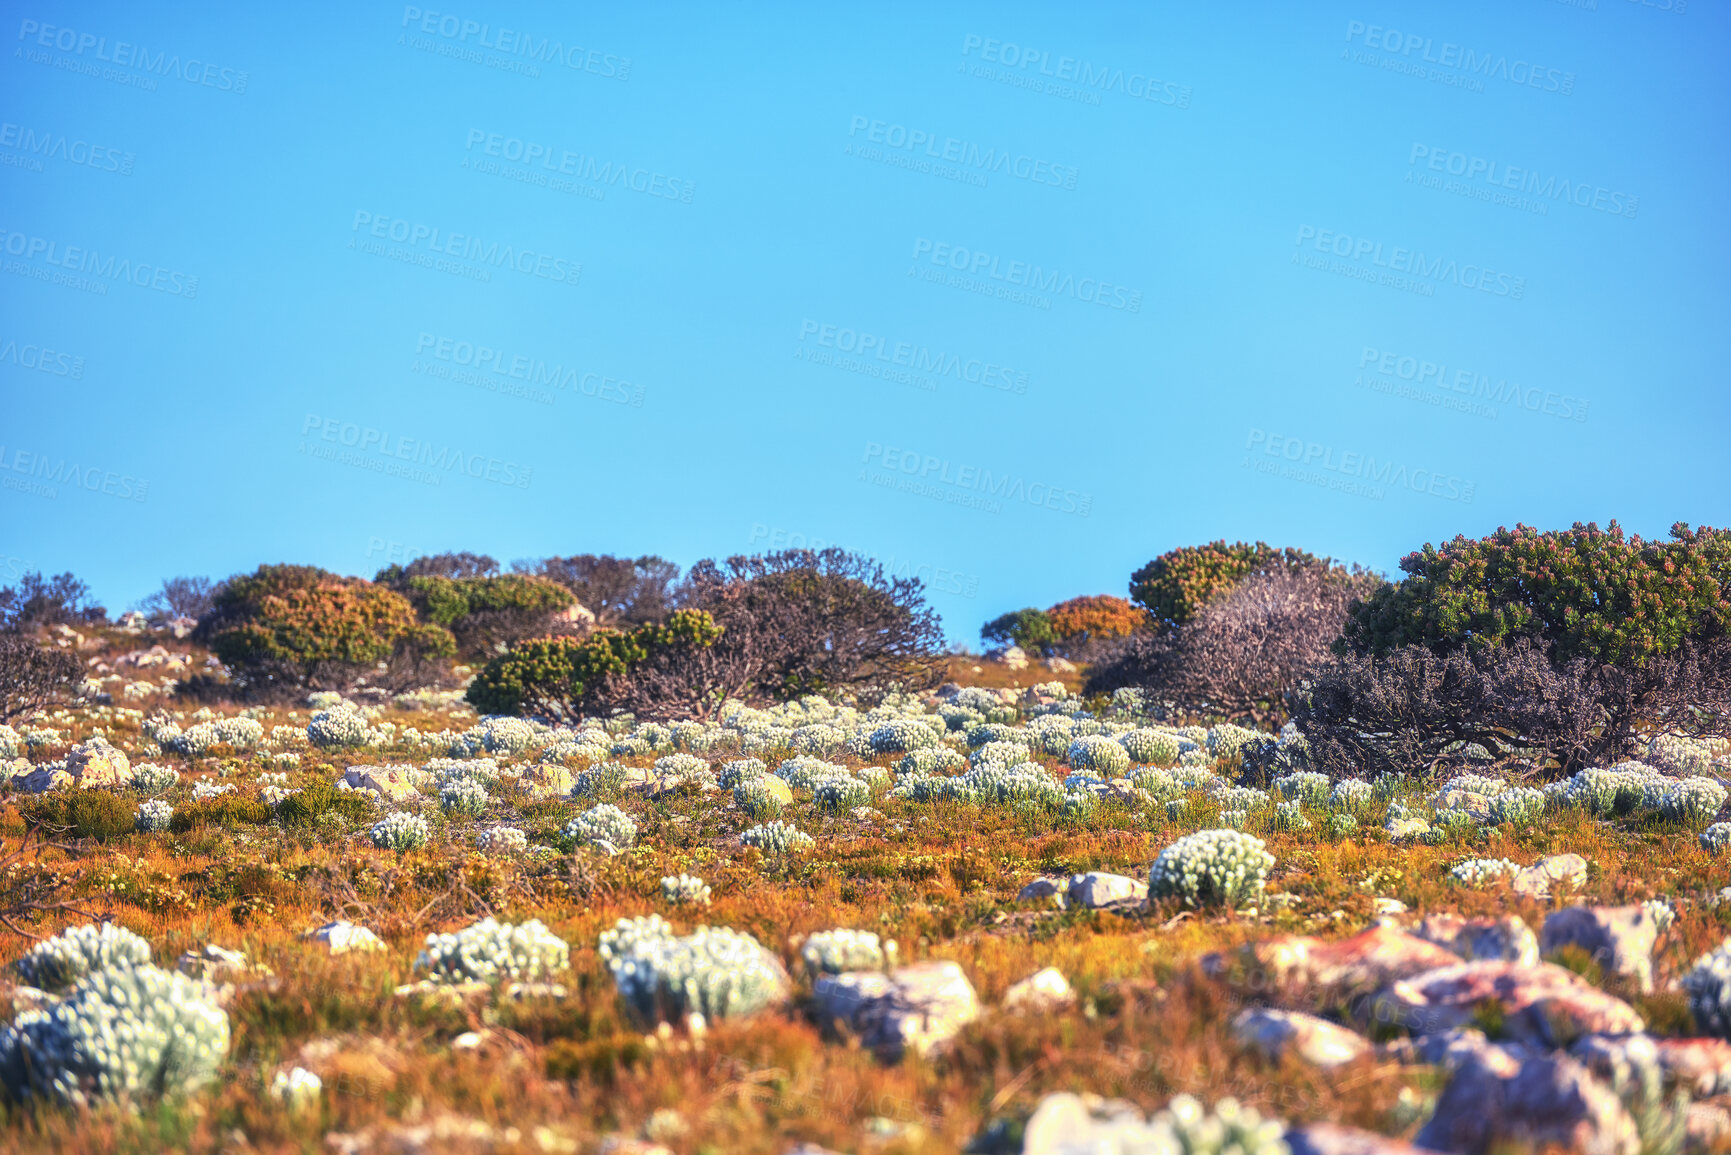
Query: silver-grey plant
{"x": 57, "y": 963}
{"x": 1212, "y": 868}
{"x": 494, "y": 952}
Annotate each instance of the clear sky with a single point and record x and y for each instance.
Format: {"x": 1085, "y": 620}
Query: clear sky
{"x": 1015, "y": 297}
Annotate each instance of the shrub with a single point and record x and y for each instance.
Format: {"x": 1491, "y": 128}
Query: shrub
{"x": 901, "y": 736}
{"x": 602, "y": 780}
{"x": 1176, "y": 585}
{"x": 618, "y": 591}
{"x": 1708, "y": 985}
{"x": 400, "y": 831}
{"x": 1094, "y": 618}
{"x": 1342, "y": 825}
{"x": 501, "y": 840}
{"x": 37, "y": 601}
{"x": 1212, "y": 867}
{"x": 152, "y": 817}
{"x": 1030, "y": 629}
{"x": 1099, "y": 754}
{"x": 494, "y": 952}
{"x": 838, "y": 794}
{"x": 1351, "y": 795}
{"x": 56, "y": 964}
{"x": 740, "y": 770}
{"x": 339, "y": 727}
{"x": 465, "y": 798}
{"x": 603, "y": 823}
{"x": 1717, "y": 837}
{"x": 777, "y": 839}
{"x": 287, "y": 626}
{"x": 1151, "y": 746}
{"x": 1571, "y": 645}
{"x": 1521, "y": 806}
{"x": 684, "y": 890}
{"x": 834, "y": 952}
{"x": 931, "y": 760}
{"x": 485, "y": 613}
{"x": 1478, "y": 871}
{"x": 1695, "y": 801}
{"x": 228, "y": 810}
{"x": 716, "y": 972}
{"x": 149, "y": 778}
{"x": 179, "y": 597}
{"x": 757, "y": 798}
{"x": 122, "y": 1034}
{"x": 1307, "y": 787}
{"x": 33, "y": 677}
{"x": 306, "y": 805}
{"x": 567, "y": 676}
{"x": 93, "y": 813}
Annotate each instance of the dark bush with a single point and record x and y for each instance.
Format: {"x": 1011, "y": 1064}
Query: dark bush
{"x": 98, "y": 814}
{"x": 617, "y": 590}
{"x": 1239, "y": 655}
{"x": 37, "y": 601}
{"x": 647, "y": 671}
{"x": 33, "y": 676}
{"x": 1031, "y": 629}
{"x": 302, "y": 627}
{"x": 1564, "y": 648}
{"x": 180, "y": 597}
{"x": 487, "y": 615}
{"x": 445, "y": 565}
{"x": 813, "y": 622}
{"x": 1178, "y": 583}
{"x": 222, "y": 810}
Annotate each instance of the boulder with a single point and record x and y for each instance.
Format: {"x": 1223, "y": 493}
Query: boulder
{"x": 1372, "y": 958}
{"x": 391, "y": 783}
{"x": 1509, "y": 939}
{"x": 97, "y": 764}
{"x": 1097, "y": 889}
{"x": 42, "y": 779}
{"x": 341, "y": 937}
{"x": 777, "y": 788}
{"x": 1619, "y": 938}
{"x": 1406, "y": 827}
{"x": 1046, "y": 891}
{"x": 1701, "y": 1067}
{"x": 548, "y": 780}
{"x": 1557, "y": 872}
{"x": 1543, "y": 1101}
{"x": 1541, "y": 1004}
{"x": 916, "y": 1007}
{"x": 1278, "y": 1033}
{"x": 1041, "y": 991}
{"x": 1465, "y": 801}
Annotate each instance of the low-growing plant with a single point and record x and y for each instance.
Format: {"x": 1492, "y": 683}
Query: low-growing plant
{"x": 603, "y": 823}
{"x": 57, "y": 963}
{"x": 400, "y": 831}
{"x": 716, "y": 972}
{"x": 493, "y": 952}
{"x": 834, "y": 952}
{"x": 1212, "y": 868}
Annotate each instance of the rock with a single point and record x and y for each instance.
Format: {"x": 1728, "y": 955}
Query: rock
{"x": 1542, "y": 1004}
{"x": 1097, "y": 889}
{"x": 1552, "y": 873}
{"x": 342, "y": 937}
{"x": 1451, "y": 1050}
{"x": 41, "y": 780}
{"x": 1465, "y": 801}
{"x": 1706, "y": 1127}
{"x": 1058, "y": 1119}
{"x": 1541, "y": 1101}
{"x": 919, "y": 1007}
{"x": 1372, "y": 958}
{"x": 1333, "y": 1139}
{"x": 548, "y": 780}
{"x": 1406, "y": 827}
{"x": 1041, "y": 991}
{"x": 214, "y": 964}
{"x": 1509, "y": 939}
{"x": 1047, "y": 891}
{"x": 1317, "y": 1041}
{"x": 1619, "y": 938}
{"x": 97, "y": 764}
{"x": 1014, "y": 657}
{"x": 181, "y": 627}
{"x": 1060, "y": 666}
{"x": 1388, "y": 907}
{"x": 777, "y": 788}
{"x": 1701, "y": 1067}
{"x": 389, "y": 782}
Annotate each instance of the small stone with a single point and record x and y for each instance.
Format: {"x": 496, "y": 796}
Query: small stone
{"x": 1097, "y": 889}
{"x": 1047, "y": 891}
{"x": 96, "y": 764}
{"x": 341, "y": 937}
{"x": 548, "y": 780}
{"x": 1277, "y": 1033}
{"x": 1043, "y": 990}
{"x": 1509, "y": 939}
{"x": 1388, "y": 906}
{"x": 1406, "y": 827}
{"x": 1544, "y": 1101}
{"x": 916, "y": 1007}
{"x": 1333, "y": 1139}
{"x": 390, "y": 783}
{"x": 1618, "y": 938}
{"x": 1542, "y": 1004}
{"x": 1555, "y": 872}
{"x": 1372, "y": 958}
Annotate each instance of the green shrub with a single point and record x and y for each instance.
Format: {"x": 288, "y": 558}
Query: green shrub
{"x": 563, "y": 674}
{"x": 1030, "y": 629}
{"x": 489, "y": 611}
{"x": 222, "y": 810}
{"x": 306, "y": 806}
{"x": 1178, "y": 583}
{"x": 98, "y": 814}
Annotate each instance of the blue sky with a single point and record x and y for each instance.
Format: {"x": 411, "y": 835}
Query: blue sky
{"x": 1011, "y": 297}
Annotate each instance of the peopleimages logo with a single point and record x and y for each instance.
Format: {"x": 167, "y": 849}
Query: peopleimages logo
{"x": 41, "y": 358}
{"x": 973, "y": 263}
{"x": 1089, "y": 78}
{"x": 948, "y": 149}
{"x": 1475, "y": 171}
{"x": 82, "y": 263}
{"x": 1354, "y": 471}
{"x": 918, "y": 359}
{"x": 381, "y": 451}
{"x": 466, "y": 247}
{"x": 135, "y": 56}
{"x": 36, "y": 473}
{"x": 970, "y": 484}
{"x": 1422, "y": 373}
{"x": 36, "y": 146}
{"x": 525, "y": 47}
{"x": 1454, "y": 63}
{"x": 520, "y": 374}
{"x": 1411, "y": 263}
{"x": 579, "y": 166}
